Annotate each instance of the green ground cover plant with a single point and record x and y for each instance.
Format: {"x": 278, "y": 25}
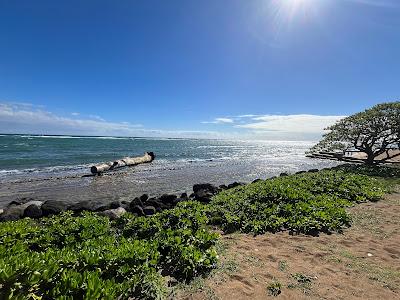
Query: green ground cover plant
{"x": 90, "y": 257}
{"x": 308, "y": 202}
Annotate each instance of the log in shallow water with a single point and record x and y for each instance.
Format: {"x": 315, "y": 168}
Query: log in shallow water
{"x": 127, "y": 161}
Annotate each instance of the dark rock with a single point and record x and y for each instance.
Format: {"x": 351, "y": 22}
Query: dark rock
{"x": 136, "y": 202}
{"x": 205, "y": 186}
{"x": 167, "y": 199}
{"x": 313, "y": 170}
{"x": 33, "y": 211}
{"x": 144, "y": 197}
{"x": 113, "y": 213}
{"x": 192, "y": 195}
{"x": 90, "y": 205}
{"x": 115, "y": 204}
{"x": 53, "y": 207}
{"x": 184, "y": 196}
{"x": 13, "y": 213}
{"x": 234, "y": 184}
{"x": 256, "y": 180}
{"x": 16, "y": 212}
{"x": 283, "y": 174}
{"x": 149, "y": 210}
{"x": 203, "y": 196}
{"x": 137, "y": 210}
{"x": 177, "y": 200}
{"x": 155, "y": 202}
{"x": 300, "y": 172}
{"x": 223, "y": 187}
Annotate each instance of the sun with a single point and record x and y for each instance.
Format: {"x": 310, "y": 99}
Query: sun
{"x": 287, "y": 11}
{"x": 294, "y": 6}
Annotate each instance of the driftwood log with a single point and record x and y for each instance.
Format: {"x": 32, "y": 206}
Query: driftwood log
{"x": 127, "y": 161}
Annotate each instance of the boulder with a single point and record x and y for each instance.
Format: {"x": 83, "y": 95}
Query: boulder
{"x": 313, "y": 170}
{"x": 177, "y": 200}
{"x": 12, "y": 213}
{"x": 137, "y": 210}
{"x": 144, "y": 197}
{"x": 234, "y": 184}
{"x": 53, "y": 207}
{"x": 223, "y": 187}
{"x": 33, "y": 211}
{"x": 283, "y": 174}
{"x": 115, "y": 204}
{"x": 156, "y": 203}
{"x": 184, "y": 196}
{"x": 113, "y": 213}
{"x": 90, "y": 205}
{"x": 136, "y": 202}
{"x": 203, "y": 196}
{"x": 149, "y": 210}
{"x": 205, "y": 186}
{"x": 300, "y": 172}
{"x": 15, "y": 212}
{"x": 168, "y": 199}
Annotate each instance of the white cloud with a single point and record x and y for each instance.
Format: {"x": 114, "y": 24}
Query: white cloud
{"x": 75, "y": 114}
{"x": 280, "y": 127}
{"x": 247, "y": 116}
{"x": 291, "y": 123}
{"x": 220, "y": 121}
{"x": 96, "y": 117}
{"x": 31, "y": 119}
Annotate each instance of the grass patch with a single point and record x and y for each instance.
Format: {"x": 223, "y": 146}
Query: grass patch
{"x": 282, "y": 265}
{"x": 274, "y": 288}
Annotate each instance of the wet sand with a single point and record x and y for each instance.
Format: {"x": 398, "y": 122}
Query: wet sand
{"x": 154, "y": 179}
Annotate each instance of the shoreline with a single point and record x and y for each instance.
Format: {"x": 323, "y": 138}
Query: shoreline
{"x": 155, "y": 179}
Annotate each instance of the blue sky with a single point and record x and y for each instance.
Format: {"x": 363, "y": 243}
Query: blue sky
{"x": 270, "y": 69}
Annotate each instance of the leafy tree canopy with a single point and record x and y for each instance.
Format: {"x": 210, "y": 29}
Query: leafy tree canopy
{"x": 372, "y": 131}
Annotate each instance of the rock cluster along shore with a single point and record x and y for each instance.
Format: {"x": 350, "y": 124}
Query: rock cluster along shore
{"x": 140, "y": 206}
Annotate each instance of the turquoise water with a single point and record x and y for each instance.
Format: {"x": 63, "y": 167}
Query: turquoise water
{"x": 37, "y": 155}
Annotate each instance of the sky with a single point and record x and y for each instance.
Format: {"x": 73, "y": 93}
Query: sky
{"x": 251, "y": 69}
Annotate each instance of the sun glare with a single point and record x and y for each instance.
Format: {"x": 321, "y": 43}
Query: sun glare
{"x": 283, "y": 14}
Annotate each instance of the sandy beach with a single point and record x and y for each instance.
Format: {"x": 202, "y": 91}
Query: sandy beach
{"x": 361, "y": 263}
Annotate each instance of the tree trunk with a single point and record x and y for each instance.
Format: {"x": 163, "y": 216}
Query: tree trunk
{"x": 370, "y": 158}
{"x": 127, "y": 161}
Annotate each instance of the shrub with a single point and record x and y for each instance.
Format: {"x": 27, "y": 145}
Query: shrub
{"x": 89, "y": 257}
{"x": 308, "y": 202}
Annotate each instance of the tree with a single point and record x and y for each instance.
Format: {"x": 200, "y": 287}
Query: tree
{"x": 372, "y": 131}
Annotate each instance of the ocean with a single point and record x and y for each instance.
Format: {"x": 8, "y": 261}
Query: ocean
{"x": 52, "y": 166}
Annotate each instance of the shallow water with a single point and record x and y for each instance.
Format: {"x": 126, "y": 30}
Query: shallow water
{"x": 52, "y": 167}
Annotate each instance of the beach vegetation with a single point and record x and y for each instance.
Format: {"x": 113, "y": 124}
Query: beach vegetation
{"x": 373, "y": 132}
{"x": 302, "y": 203}
{"x": 91, "y": 257}
{"x": 274, "y": 288}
